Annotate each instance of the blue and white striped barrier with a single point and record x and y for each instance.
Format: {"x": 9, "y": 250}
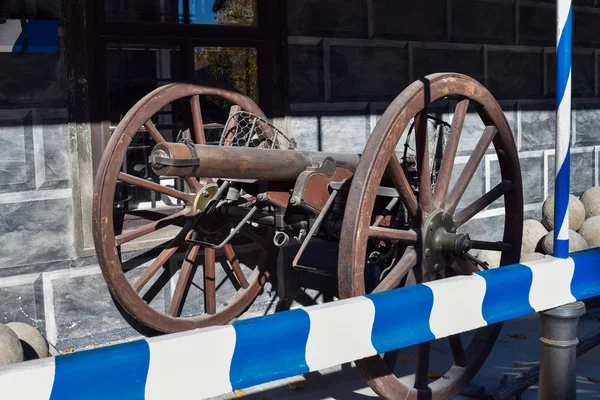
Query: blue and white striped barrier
{"x": 32, "y": 36}
{"x": 213, "y": 361}
{"x": 562, "y": 159}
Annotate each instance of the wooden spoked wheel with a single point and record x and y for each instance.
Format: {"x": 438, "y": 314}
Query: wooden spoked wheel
{"x": 433, "y": 247}
{"x": 132, "y": 291}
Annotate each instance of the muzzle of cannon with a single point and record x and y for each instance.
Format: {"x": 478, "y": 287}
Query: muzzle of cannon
{"x": 229, "y": 194}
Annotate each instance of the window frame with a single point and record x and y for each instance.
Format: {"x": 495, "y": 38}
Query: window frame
{"x": 86, "y": 37}
{"x": 267, "y": 37}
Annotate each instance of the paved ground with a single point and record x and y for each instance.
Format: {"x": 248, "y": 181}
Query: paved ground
{"x": 512, "y": 355}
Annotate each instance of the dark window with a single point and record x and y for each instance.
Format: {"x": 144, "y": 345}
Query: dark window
{"x": 141, "y": 45}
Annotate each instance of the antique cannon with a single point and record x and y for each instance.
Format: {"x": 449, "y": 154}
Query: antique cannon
{"x": 396, "y": 219}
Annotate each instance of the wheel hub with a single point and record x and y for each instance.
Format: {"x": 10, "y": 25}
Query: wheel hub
{"x": 440, "y": 240}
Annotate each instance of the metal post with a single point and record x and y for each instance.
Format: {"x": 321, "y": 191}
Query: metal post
{"x": 559, "y": 352}
{"x": 563, "y": 128}
{"x": 559, "y": 325}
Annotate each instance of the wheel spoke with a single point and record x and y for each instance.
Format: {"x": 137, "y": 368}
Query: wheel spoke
{"x": 422, "y": 372}
{"x": 441, "y": 186}
{"x": 149, "y": 228}
{"x": 411, "y": 278}
{"x": 183, "y": 280}
{"x": 193, "y": 184}
{"x": 422, "y": 139}
{"x": 235, "y": 266}
{"x": 481, "y": 203}
{"x": 467, "y": 174}
{"x": 410, "y": 235}
{"x": 154, "y": 133}
{"x": 493, "y": 246}
{"x": 197, "y": 117}
{"x": 210, "y": 291}
{"x": 149, "y": 185}
{"x": 230, "y": 128}
{"x": 393, "y": 279}
{"x": 458, "y": 353}
{"x": 154, "y": 267}
{"x": 401, "y": 183}
{"x": 162, "y": 258}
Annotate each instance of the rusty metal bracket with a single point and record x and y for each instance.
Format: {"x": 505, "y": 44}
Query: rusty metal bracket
{"x": 311, "y": 233}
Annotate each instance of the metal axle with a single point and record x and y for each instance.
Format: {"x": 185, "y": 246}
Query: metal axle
{"x": 227, "y": 162}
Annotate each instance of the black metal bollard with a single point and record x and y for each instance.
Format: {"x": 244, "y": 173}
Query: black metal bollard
{"x": 558, "y": 355}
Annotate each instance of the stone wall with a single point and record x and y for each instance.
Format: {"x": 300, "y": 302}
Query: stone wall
{"x": 36, "y": 191}
{"x": 348, "y": 59}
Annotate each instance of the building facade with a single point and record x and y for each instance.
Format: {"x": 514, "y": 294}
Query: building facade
{"x": 323, "y": 71}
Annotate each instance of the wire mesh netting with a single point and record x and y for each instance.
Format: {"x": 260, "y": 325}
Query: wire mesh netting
{"x": 244, "y": 129}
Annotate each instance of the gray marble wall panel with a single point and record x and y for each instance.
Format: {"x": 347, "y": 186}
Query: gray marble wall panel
{"x": 344, "y": 133}
{"x": 36, "y": 231}
{"x": 16, "y": 150}
{"x": 586, "y": 30}
{"x": 473, "y": 127}
{"x": 331, "y": 18}
{"x": 339, "y": 127}
{"x": 538, "y": 125}
{"x": 83, "y": 308}
{"x": 19, "y": 303}
{"x": 305, "y": 130}
{"x": 45, "y": 81}
{"x": 305, "y": 65}
{"x": 361, "y": 71}
{"x": 586, "y": 120}
{"x": 533, "y": 213}
{"x": 482, "y": 21}
{"x": 51, "y": 149}
{"x": 407, "y": 19}
{"x": 537, "y": 23}
{"x": 515, "y": 72}
{"x": 532, "y": 166}
{"x": 489, "y": 229}
{"x": 429, "y": 58}
{"x": 582, "y": 168}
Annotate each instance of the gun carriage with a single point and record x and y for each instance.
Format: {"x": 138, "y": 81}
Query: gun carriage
{"x": 396, "y": 218}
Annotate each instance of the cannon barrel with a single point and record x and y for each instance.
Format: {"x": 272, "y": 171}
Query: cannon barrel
{"x": 177, "y": 159}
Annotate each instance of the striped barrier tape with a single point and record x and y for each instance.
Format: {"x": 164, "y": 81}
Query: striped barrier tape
{"x": 562, "y": 157}
{"x": 214, "y": 361}
{"x": 30, "y": 36}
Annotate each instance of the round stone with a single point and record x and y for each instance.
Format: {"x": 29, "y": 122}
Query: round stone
{"x": 531, "y": 257}
{"x": 11, "y": 351}
{"x": 533, "y": 232}
{"x": 576, "y": 242}
{"x": 591, "y": 202}
{"x": 590, "y": 230}
{"x": 576, "y": 213}
{"x": 490, "y": 257}
{"x": 33, "y": 343}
